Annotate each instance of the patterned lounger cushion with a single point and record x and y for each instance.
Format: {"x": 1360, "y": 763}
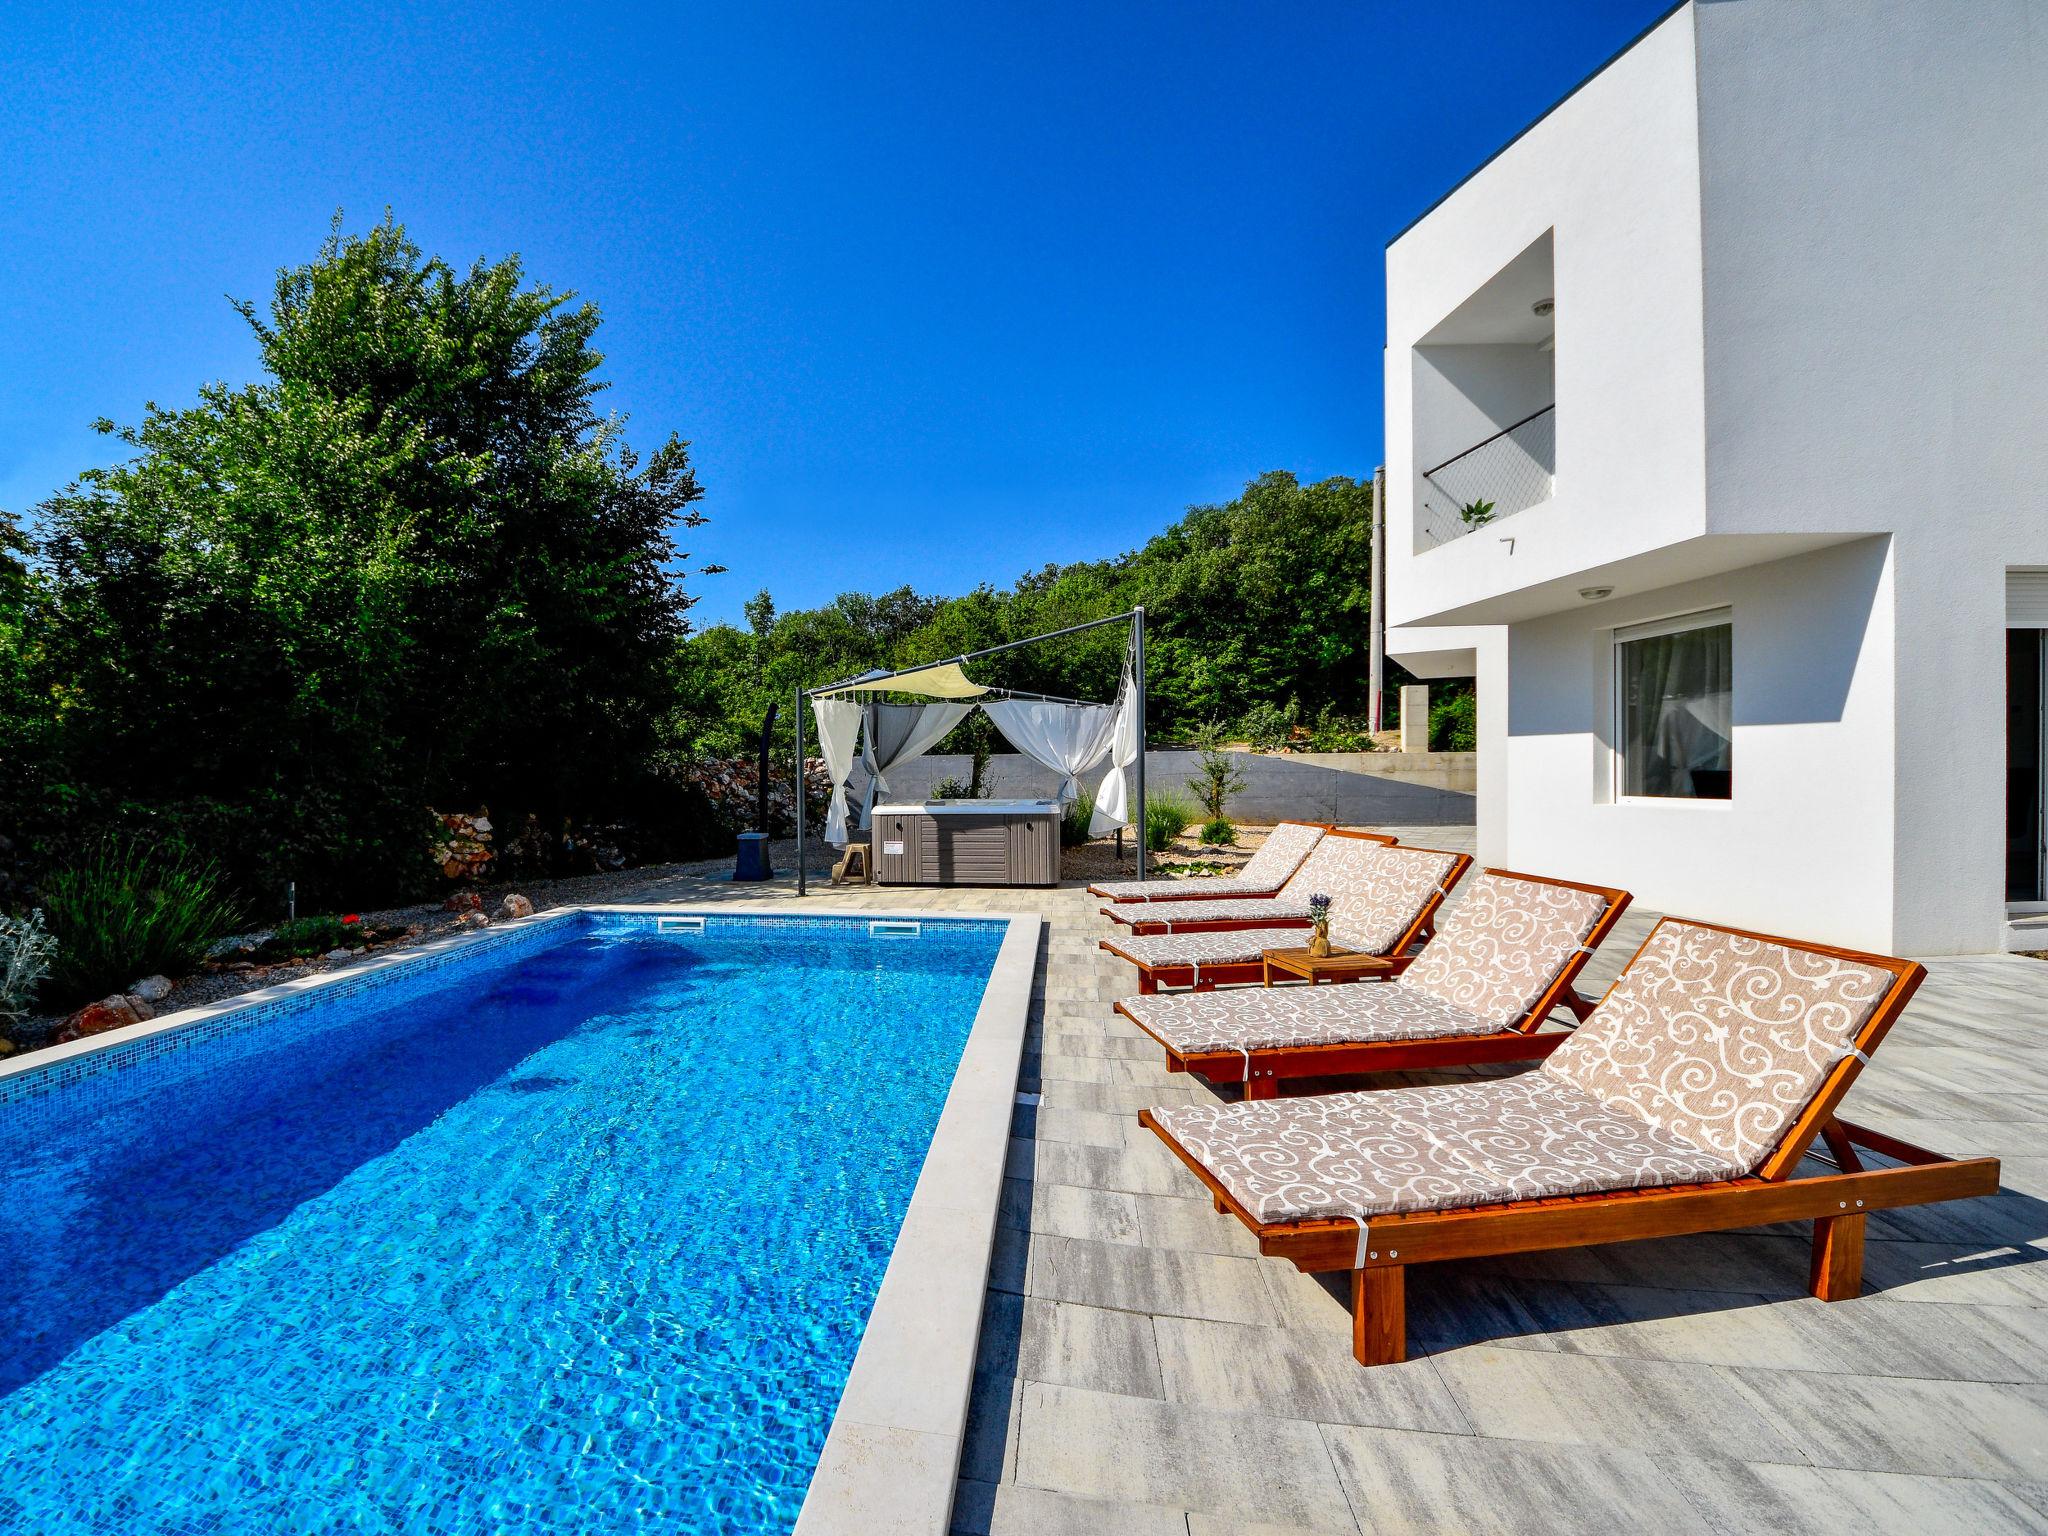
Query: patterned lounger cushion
{"x": 1497, "y": 950}
{"x": 1281, "y": 1018}
{"x": 1493, "y": 957}
{"x": 1158, "y": 950}
{"x": 1267, "y": 870}
{"x": 1421, "y": 1149}
{"x": 1378, "y": 904}
{"x": 1177, "y": 915}
{"x": 1718, "y": 1038}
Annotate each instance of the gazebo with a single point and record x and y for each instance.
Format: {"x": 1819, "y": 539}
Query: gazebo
{"x": 1069, "y": 736}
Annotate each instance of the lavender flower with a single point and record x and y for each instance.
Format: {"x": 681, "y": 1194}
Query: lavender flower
{"x": 1319, "y": 909}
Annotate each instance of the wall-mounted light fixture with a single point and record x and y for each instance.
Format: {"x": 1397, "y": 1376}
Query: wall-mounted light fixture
{"x": 1542, "y": 308}
{"x": 1594, "y": 594}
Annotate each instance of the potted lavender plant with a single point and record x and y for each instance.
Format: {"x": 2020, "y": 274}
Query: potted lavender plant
{"x": 1319, "y": 916}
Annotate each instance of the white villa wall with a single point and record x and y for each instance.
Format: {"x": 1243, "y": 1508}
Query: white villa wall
{"x": 1802, "y": 847}
{"x": 1613, "y": 173}
{"x": 1831, "y": 420}
{"x": 1877, "y": 359}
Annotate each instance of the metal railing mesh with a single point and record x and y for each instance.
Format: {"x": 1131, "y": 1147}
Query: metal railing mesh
{"x": 1507, "y": 473}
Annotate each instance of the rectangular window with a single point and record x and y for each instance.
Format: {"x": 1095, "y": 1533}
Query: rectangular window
{"x": 1674, "y": 709}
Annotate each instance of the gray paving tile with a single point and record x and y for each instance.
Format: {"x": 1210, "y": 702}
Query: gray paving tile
{"x": 1524, "y": 1394}
{"x": 1137, "y": 1167}
{"x": 1284, "y": 1373}
{"x": 1063, "y": 1210}
{"x": 1770, "y": 1497}
{"x": 1009, "y": 1509}
{"x": 1192, "y": 1225}
{"x": 1893, "y": 1424}
{"x": 1135, "y": 1279}
{"x": 1075, "y": 1346}
{"x": 1123, "y": 1448}
{"x": 1460, "y": 1486}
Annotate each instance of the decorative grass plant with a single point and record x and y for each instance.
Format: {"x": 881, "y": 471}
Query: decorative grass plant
{"x": 130, "y": 908}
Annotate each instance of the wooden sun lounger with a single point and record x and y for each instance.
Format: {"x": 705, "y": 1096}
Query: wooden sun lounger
{"x": 1149, "y": 917}
{"x": 1206, "y": 976}
{"x": 1837, "y": 1199}
{"x": 1264, "y": 1070}
{"x": 1220, "y": 888}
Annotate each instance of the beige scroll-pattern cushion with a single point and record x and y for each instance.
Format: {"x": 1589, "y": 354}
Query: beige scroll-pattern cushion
{"x": 1720, "y": 1039}
{"x": 1502, "y": 944}
{"x": 1417, "y": 1149}
{"x": 1177, "y": 915}
{"x": 1279, "y": 1018}
{"x": 1246, "y": 944}
{"x": 1387, "y": 889}
{"x": 1278, "y": 857}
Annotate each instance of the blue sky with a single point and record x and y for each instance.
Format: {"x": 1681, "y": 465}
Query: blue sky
{"x": 938, "y": 292}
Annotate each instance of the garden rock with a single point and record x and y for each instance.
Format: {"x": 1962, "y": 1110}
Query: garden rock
{"x": 463, "y": 901}
{"x": 151, "y": 989}
{"x": 139, "y": 1006}
{"x": 335, "y": 954}
{"x": 472, "y": 920}
{"x": 515, "y": 905}
{"x": 96, "y": 1019}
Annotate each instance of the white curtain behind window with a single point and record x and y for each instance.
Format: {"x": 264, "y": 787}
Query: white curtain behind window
{"x": 895, "y": 734}
{"x": 838, "y": 731}
{"x": 1067, "y": 738}
{"x": 1113, "y": 796}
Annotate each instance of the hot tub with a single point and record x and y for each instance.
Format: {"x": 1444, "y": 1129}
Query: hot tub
{"x": 967, "y": 842}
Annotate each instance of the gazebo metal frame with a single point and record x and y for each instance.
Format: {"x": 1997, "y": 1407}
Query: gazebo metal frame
{"x": 871, "y": 681}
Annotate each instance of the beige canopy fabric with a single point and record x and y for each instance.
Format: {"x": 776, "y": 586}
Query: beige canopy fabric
{"x": 944, "y": 680}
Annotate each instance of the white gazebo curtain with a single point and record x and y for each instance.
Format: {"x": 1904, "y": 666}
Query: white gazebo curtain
{"x": 1113, "y": 796}
{"x": 838, "y": 734}
{"x": 895, "y": 734}
{"x": 1067, "y": 738}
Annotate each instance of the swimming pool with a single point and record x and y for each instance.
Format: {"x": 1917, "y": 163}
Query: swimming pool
{"x": 572, "y": 1229}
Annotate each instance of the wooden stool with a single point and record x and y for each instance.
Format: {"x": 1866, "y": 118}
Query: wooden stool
{"x": 853, "y": 863}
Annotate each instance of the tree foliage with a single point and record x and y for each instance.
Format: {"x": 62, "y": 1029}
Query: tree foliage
{"x": 410, "y": 565}
{"x": 1261, "y": 601}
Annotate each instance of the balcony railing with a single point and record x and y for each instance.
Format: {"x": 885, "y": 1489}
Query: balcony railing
{"x": 1509, "y": 472}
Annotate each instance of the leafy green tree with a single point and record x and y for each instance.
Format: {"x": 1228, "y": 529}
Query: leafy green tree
{"x": 411, "y": 565}
{"x": 1260, "y": 603}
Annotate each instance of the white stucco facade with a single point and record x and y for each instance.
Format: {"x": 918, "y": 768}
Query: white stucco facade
{"x": 1799, "y": 363}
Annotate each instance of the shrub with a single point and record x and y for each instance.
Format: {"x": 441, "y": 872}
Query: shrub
{"x": 1167, "y": 815}
{"x": 25, "y": 950}
{"x": 1216, "y": 780}
{"x": 129, "y": 908}
{"x": 311, "y": 936}
{"x": 1219, "y": 833}
{"x": 1454, "y": 724}
{"x": 1074, "y": 820}
{"x": 1333, "y": 732}
{"x": 1267, "y": 727}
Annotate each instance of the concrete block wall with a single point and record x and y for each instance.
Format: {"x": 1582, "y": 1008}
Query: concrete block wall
{"x": 1351, "y": 788}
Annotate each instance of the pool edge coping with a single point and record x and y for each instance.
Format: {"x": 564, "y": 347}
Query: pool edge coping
{"x": 891, "y": 1460}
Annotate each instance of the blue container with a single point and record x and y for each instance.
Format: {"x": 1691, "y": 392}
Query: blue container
{"x": 752, "y": 863}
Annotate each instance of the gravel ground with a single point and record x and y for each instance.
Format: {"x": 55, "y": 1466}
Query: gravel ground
{"x": 657, "y": 882}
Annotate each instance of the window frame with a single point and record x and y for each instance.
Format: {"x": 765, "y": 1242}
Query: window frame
{"x": 1678, "y": 624}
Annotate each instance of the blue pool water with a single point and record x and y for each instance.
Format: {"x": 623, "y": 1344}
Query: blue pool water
{"x": 572, "y": 1233}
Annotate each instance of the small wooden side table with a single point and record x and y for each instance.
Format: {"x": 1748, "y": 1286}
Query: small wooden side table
{"x": 1337, "y": 965}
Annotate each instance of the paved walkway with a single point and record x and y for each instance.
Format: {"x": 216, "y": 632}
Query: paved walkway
{"x": 1143, "y": 1371}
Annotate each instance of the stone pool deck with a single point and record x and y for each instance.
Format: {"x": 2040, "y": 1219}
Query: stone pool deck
{"x": 1143, "y": 1372}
